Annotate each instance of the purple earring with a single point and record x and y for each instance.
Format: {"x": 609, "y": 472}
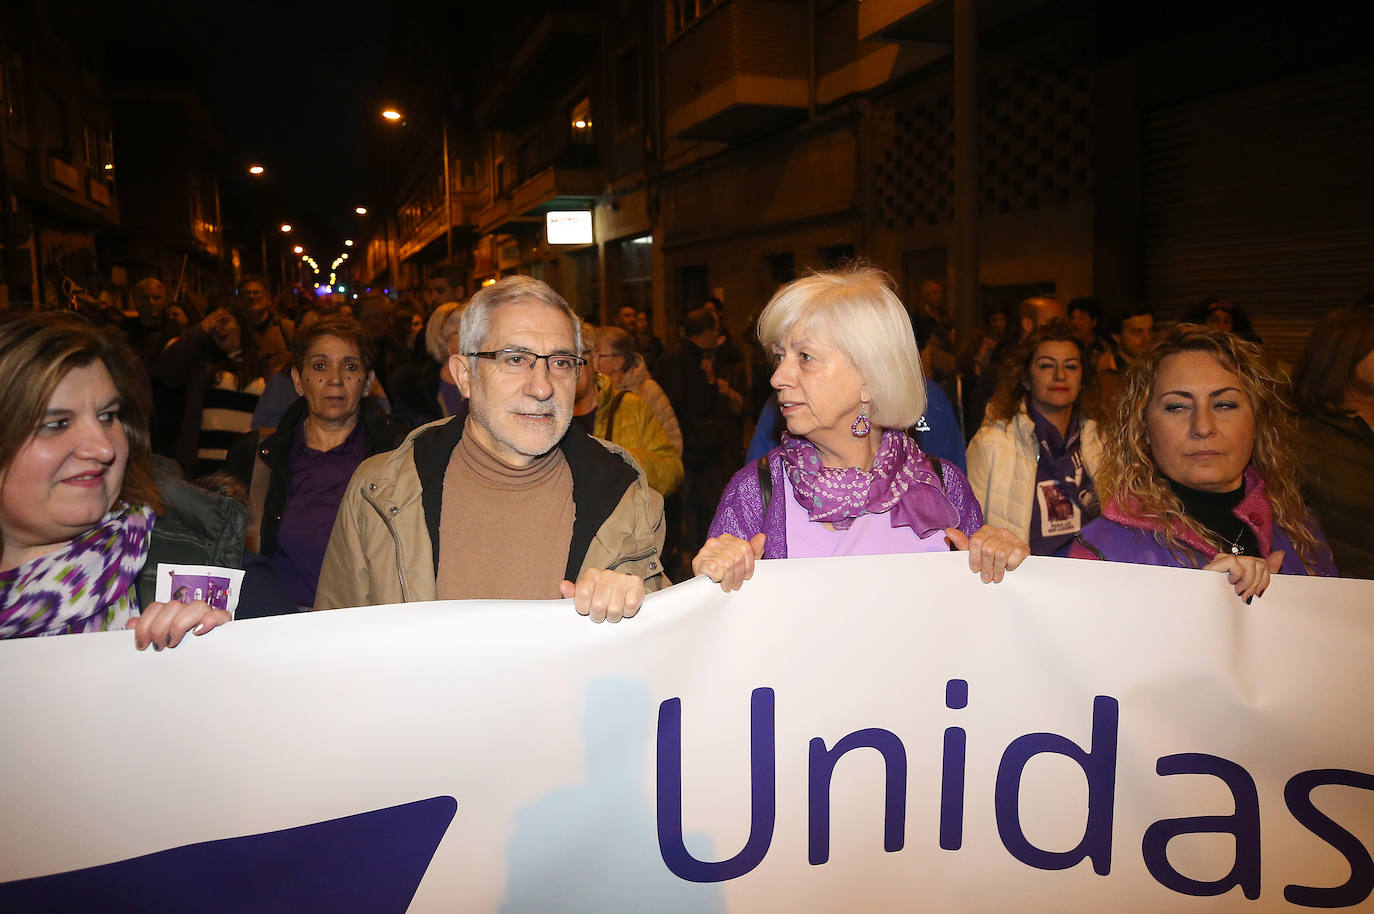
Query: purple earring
{"x": 861, "y": 426}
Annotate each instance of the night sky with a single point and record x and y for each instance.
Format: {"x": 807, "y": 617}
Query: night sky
{"x": 295, "y": 87}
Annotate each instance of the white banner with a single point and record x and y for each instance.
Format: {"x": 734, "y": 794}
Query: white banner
{"x": 861, "y": 734}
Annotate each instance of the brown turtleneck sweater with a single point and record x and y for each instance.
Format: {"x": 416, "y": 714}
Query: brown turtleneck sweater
{"x": 504, "y": 531}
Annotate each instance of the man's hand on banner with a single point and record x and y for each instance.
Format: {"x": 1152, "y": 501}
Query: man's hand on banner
{"x": 1249, "y": 573}
{"x": 729, "y": 560}
{"x": 992, "y": 551}
{"x": 605, "y": 595}
{"x": 165, "y": 624}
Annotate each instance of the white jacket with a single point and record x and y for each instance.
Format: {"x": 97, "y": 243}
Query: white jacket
{"x": 1002, "y": 461}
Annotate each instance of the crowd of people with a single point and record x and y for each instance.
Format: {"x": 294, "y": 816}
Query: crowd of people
{"x": 358, "y": 452}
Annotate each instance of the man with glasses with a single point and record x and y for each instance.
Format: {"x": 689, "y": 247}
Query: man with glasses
{"x": 274, "y": 334}
{"x": 510, "y": 503}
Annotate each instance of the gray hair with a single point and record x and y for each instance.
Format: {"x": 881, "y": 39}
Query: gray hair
{"x": 619, "y": 342}
{"x": 476, "y": 320}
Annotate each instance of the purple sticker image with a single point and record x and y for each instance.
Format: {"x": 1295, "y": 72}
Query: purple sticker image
{"x": 190, "y": 587}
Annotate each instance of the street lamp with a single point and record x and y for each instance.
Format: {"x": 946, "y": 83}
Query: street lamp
{"x": 395, "y": 116}
{"x": 255, "y": 169}
{"x": 360, "y": 210}
{"x": 285, "y": 227}
{"x": 348, "y": 242}
{"x": 298, "y": 249}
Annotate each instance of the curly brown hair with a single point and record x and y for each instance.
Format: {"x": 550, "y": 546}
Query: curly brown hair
{"x": 1013, "y": 383}
{"x": 37, "y": 350}
{"x": 1130, "y": 475}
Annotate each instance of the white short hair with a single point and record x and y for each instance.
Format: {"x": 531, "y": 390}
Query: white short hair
{"x": 856, "y": 310}
{"x": 477, "y": 313}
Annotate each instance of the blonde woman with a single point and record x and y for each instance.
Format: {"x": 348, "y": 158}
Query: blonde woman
{"x": 847, "y": 479}
{"x": 1199, "y": 467}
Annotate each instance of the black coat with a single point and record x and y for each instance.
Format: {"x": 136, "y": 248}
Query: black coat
{"x": 379, "y": 434}
{"x": 1338, "y": 486}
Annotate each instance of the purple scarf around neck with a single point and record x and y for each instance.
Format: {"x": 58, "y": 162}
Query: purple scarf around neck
{"x": 1060, "y": 464}
{"x": 839, "y": 496}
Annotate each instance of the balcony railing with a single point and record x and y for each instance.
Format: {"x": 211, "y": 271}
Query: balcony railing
{"x": 740, "y": 65}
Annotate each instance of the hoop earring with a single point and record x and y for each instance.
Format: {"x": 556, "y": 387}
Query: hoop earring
{"x": 861, "y": 426}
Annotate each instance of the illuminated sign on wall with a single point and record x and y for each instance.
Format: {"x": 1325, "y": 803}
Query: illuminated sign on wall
{"x": 569, "y": 227}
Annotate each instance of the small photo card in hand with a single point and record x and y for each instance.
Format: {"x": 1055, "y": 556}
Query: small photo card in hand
{"x": 217, "y": 586}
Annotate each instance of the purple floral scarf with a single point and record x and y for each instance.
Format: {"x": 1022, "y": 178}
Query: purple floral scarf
{"x": 839, "y": 496}
{"x": 87, "y": 586}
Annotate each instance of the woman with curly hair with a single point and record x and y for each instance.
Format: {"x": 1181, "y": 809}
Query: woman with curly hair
{"x": 1199, "y": 469}
{"x": 1033, "y": 462}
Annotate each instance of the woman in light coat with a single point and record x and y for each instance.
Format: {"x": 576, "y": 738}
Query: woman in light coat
{"x": 1033, "y": 461}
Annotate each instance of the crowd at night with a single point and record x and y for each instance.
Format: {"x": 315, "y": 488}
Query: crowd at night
{"x": 464, "y": 342}
{"x": 617, "y": 303}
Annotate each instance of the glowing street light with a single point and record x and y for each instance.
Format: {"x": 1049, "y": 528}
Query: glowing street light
{"x": 298, "y": 249}
{"x": 348, "y": 242}
{"x": 360, "y": 210}
{"x": 285, "y": 227}
{"x": 255, "y": 169}
{"x": 391, "y": 114}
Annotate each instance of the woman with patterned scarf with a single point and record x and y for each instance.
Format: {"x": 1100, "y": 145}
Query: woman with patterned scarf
{"x": 846, "y": 480}
{"x": 78, "y": 505}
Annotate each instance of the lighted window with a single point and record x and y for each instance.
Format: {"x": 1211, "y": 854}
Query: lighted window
{"x": 580, "y": 122}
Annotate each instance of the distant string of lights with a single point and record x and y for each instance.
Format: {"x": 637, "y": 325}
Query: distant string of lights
{"x": 257, "y": 170}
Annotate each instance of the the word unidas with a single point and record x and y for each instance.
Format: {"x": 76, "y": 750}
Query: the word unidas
{"x": 1098, "y": 763}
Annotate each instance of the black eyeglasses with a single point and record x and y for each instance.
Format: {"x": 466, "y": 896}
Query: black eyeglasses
{"x": 520, "y": 361}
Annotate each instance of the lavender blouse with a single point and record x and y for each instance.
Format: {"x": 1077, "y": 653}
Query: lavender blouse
{"x": 926, "y": 509}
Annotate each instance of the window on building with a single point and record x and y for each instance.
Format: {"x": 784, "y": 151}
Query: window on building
{"x": 682, "y": 13}
{"x": 55, "y": 117}
{"x": 637, "y": 273}
{"x": 627, "y": 91}
{"x": 13, "y": 89}
{"x": 500, "y": 177}
{"x": 782, "y": 268}
{"x": 693, "y": 286}
{"x": 90, "y": 147}
{"x": 835, "y": 255}
{"x": 527, "y": 157}
{"x": 583, "y": 132}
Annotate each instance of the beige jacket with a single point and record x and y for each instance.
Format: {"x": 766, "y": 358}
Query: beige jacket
{"x": 382, "y": 549}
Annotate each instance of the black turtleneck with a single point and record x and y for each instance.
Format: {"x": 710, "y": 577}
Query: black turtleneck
{"x": 1216, "y": 511}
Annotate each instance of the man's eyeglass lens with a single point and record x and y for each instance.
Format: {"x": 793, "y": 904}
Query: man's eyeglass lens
{"x": 520, "y": 361}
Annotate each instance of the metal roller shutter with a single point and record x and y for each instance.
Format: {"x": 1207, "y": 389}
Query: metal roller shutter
{"x": 1265, "y": 196}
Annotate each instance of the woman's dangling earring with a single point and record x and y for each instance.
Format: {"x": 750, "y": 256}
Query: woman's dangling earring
{"x": 861, "y": 426}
